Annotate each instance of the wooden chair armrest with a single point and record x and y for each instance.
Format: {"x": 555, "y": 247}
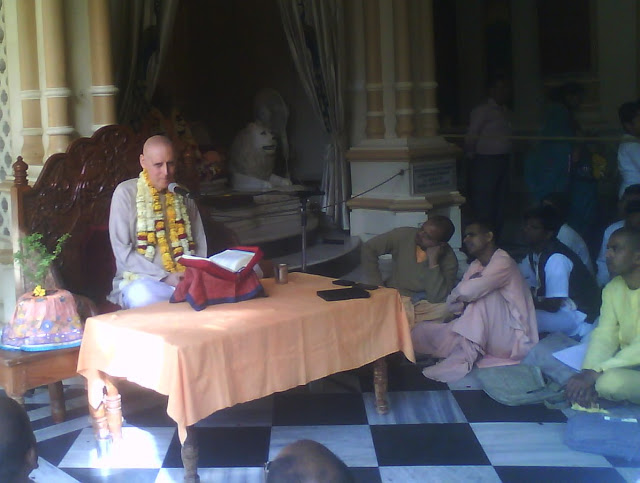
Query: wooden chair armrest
{"x": 86, "y": 307}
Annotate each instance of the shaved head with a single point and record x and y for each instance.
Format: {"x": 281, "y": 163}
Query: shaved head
{"x": 156, "y": 142}
{"x": 158, "y": 159}
{"x": 307, "y": 461}
{"x": 18, "y": 455}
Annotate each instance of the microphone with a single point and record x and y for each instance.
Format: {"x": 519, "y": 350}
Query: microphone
{"x": 179, "y": 190}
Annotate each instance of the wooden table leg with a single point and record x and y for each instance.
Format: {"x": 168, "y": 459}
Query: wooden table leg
{"x": 380, "y": 385}
{"x": 99, "y": 422}
{"x": 17, "y": 398}
{"x": 56, "y": 395}
{"x": 106, "y": 419}
{"x": 113, "y": 403}
{"x": 189, "y": 455}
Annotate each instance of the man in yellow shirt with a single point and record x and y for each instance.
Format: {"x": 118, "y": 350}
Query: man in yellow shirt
{"x": 610, "y": 368}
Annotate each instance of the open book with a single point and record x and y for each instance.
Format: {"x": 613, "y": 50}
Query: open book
{"x": 231, "y": 260}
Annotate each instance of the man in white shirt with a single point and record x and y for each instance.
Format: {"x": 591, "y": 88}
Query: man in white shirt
{"x": 631, "y": 194}
{"x": 566, "y": 234}
{"x": 566, "y": 296}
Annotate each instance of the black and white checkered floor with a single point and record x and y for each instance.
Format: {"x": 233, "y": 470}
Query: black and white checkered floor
{"x": 433, "y": 433}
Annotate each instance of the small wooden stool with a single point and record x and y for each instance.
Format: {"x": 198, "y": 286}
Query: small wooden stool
{"x": 49, "y": 319}
{"x": 21, "y": 371}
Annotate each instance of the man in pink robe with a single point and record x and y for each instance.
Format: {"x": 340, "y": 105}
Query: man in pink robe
{"x": 496, "y": 313}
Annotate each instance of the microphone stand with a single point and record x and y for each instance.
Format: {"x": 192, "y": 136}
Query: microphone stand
{"x": 303, "y": 196}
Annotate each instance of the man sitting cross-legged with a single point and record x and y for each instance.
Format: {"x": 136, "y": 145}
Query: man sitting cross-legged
{"x": 610, "y": 367}
{"x": 150, "y": 228}
{"x": 495, "y": 308}
{"x": 424, "y": 266}
{"x": 566, "y": 295}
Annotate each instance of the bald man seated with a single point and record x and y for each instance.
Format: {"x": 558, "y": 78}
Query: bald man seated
{"x": 424, "y": 266}
{"x": 307, "y": 461}
{"x": 149, "y": 228}
{"x": 18, "y": 453}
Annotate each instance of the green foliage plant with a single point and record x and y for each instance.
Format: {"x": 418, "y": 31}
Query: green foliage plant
{"x": 35, "y": 259}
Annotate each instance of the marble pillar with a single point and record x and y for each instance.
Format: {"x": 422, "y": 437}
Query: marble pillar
{"x": 403, "y": 79}
{"x": 472, "y": 71}
{"x": 32, "y": 147}
{"x": 102, "y": 90}
{"x": 375, "y": 128}
{"x": 528, "y": 95}
{"x": 427, "y": 107}
{"x": 410, "y": 175}
{"x": 56, "y": 92}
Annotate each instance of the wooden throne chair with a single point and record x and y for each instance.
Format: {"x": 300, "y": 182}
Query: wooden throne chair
{"x": 73, "y": 195}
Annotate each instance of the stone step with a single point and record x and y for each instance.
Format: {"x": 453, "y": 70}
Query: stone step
{"x": 333, "y": 255}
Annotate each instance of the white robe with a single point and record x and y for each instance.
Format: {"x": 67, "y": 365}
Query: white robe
{"x": 123, "y": 235}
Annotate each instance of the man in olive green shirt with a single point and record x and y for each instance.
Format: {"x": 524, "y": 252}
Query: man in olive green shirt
{"x": 424, "y": 266}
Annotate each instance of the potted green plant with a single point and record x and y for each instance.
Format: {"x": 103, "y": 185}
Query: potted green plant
{"x": 35, "y": 260}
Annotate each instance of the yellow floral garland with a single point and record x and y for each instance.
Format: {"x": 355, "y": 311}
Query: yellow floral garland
{"x": 152, "y": 233}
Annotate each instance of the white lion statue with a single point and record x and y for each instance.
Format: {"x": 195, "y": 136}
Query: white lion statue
{"x": 252, "y": 159}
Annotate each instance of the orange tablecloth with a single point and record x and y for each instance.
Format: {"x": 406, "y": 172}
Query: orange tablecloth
{"x": 232, "y": 353}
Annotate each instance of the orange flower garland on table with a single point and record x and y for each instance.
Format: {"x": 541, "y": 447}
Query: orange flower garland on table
{"x": 152, "y": 232}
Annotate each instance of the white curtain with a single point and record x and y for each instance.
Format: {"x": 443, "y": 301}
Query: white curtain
{"x": 140, "y": 50}
{"x": 315, "y": 32}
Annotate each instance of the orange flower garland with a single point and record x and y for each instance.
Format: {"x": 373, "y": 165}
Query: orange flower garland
{"x": 152, "y": 233}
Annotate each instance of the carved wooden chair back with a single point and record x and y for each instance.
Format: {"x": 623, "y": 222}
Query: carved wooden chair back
{"x": 72, "y": 195}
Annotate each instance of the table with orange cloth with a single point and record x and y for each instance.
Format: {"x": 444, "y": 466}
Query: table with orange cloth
{"x": 232, "y": 353}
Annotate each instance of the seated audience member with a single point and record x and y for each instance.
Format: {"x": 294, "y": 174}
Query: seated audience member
{"x": 18, "y": 453}
{"x": 566, "y": 234}
{"x": 145, "y": 249}
{"x": 496, "y": 315}
{"x": 566, "y": 295}
{"x": 630, "y": 196}
{"x": 424, "y": 266}
{"x": 306, "y": 461}
{"x": 610, "y": 367}
{"x": 629, "y": 149}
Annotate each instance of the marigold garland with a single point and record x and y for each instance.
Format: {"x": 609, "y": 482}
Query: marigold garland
{"x": 152, "y": 232}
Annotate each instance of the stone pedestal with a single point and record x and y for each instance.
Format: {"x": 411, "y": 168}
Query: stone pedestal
{"x": 427, "y": 186}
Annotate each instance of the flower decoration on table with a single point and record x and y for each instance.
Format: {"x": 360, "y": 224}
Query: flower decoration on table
{"x": 35, "y": 260}
{"x": 152, "y": 232}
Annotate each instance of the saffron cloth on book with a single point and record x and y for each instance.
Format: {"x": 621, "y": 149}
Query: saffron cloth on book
{"x": 223, "y": 278}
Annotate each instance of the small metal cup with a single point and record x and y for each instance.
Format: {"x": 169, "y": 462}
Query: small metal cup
{"x": 281, "y": 273}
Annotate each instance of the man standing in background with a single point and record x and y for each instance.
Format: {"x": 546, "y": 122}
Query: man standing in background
{"x": 488, "y": 147}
